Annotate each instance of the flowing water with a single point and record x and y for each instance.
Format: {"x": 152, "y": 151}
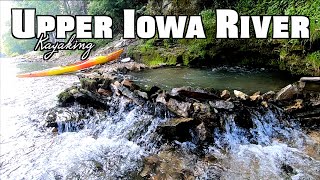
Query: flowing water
{"x": 112, "y": 146}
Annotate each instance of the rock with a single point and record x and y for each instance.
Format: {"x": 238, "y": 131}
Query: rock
{"x": 287, "y": 93}
{"x": 161, "y": 98}
{"x": 202, "y": 132}
{"x": 201, "y": 111}
{"x": 188, "y": 93}
{"x": 298, "y": 105}
{"x": 154, "y": 90}
{"x": 123, "y": 67}
{"x": 89, "y": 84}
{"x": 220, "y": 104}
{"x": 129, "y": 84}
{"x": 179, "y": 108}
{"x": 104, "y": 92}
{"x": 168, "y": 164}
{"x": 141, "y": 94}
{"x": 105, "y": 84}
{"x": 225, "y": 94}
{"x": 256, "y": 96}
{"x": 129, "y": 94}
{"x": 240, "y": 95}
{"x": 85, "y": 97}
{"x": 288, "y": 169}
{"x": 115, "y": 87}
{"x": 125, "y": 60}
{"x": 268, "y": 95}
{"x": 264, "y": 104}
{"x": 177, "y": 128}
{"x": 65, "y": 98}
{"x": 67, "y": 119}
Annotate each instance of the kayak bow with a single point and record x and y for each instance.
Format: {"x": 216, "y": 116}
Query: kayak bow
{"x": 74, "y": 67}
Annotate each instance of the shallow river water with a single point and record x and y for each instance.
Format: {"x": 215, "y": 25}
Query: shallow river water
{"x": 105, "y": 149}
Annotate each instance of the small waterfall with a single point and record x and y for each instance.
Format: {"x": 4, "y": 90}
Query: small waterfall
{"x": 268, "y": 125}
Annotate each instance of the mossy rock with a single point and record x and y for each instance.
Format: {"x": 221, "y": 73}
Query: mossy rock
{"x": 89, "y": 84}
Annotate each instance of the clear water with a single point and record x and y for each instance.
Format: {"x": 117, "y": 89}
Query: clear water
{"x": 113, "y": 146}
{"x": 230, "y": 78}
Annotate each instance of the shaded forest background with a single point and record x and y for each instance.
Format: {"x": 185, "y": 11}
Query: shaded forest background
{"x": 298, "y": 56}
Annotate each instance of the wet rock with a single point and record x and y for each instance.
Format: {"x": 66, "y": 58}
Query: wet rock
{"x": 129, "y": 84}
{"x": 105, "y": 84}
{"x": 104, "y": 92}
{"x": 142, "y": 94}
{"x": 89, "y": 84}
{"x": 288, "y": 169}
{"x": 201, "y": 111}
{"x": 177, "y": 128}
{"x": 178, "y": 107}
{"x": 225, "y": 94}
{"x": 85, "y": 97}
{"x": 154, "y": 90}
{"x": 67, "y": 119}
{"x": 268, "y": 95}
{"x": 188, "y": 93}
{"x": 129, "y": 94}
{"x": 264, "y": 104}
{"x": 161, "y": 98}
{"x": 202, "y": 132}
{"x": 66, "y": 98}
{"x": 220, "y": 104}
{"x": 240, "y": 95}
{"x": 298, "y": 105}
{"x": 287, "y": 93}
{"x": 167, "y": 164}
{"x": 256, "y": 96}
{"x": 115, "y": 88}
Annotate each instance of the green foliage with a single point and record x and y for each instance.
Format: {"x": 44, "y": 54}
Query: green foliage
{"x": 314, "y": 59}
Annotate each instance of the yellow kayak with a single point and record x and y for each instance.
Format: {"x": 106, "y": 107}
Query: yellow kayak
{"x": 74, "y": 67}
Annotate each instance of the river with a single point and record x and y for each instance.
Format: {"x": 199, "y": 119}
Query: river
{"x": 113, "y": 146}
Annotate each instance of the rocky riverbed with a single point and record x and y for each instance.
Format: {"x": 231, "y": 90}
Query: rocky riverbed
{"x": 202, "y": 117}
